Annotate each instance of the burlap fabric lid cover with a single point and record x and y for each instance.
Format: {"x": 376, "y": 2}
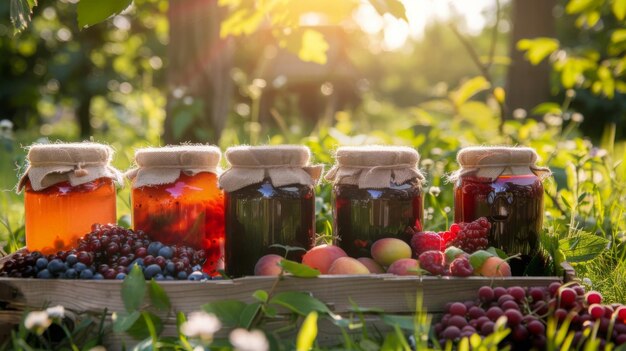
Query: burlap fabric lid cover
{"x": 282, "y": 164}
{"x": 78, "y": 163}
{"x": 163, "y": 165}
{"x": 375, "y": 167}
{"x": 490, "y": 162}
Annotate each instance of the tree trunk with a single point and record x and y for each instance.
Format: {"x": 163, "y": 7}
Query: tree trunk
{"x": 528, "y": 85}
{"x": 199, "y": 84}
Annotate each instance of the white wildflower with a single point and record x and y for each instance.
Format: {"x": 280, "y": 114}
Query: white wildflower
{"x": 201, "y": 325}
{"x": 37, "y": 321}
{"x": 243, "y": 340}
{"x": 56, "y": 311}
{"x": 587, "y": 282}
{"x": 434, "y": 191}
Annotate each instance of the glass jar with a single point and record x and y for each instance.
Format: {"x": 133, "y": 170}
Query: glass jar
{"x": 377, "y": 194}
{"x": 59, "y": 215}
{"x": 269, "y": 200}
{"x": 260, "y": 215}
{"x": 176, "y": 199}
{"x": 511, "y": 198}
{"x": 68, "y": 188}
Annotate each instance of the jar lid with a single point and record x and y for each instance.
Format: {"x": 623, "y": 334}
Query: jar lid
{"x": 375, "y": 166}
{"x": 282, "y": 164}
{"x": 492, "y": 161}
{"x": 163, "y": 165}
{"x": 78, "y": 163}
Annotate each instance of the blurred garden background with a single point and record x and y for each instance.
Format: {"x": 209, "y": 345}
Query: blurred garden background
{"x": 433, "y": 74}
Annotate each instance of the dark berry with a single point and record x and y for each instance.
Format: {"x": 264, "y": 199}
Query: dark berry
{"x": 44, "y": 274}
{"x": 86, "y": 274}
{"x": 151, "y": 271}
{"x": 41, "y": 263}
{"x": 71, "y": 259}
{"x": 166, "y": 251}
{"x": 433, "y": 261}
{"x": 154, "y": 247}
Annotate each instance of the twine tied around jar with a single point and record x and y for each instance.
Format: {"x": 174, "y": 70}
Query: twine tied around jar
{"x": 164, "y": 165}
{"x": 282, "y": 165}
{"x": 375, "y": 167}
{"x": 490, "y": 162}
{"x": 76, "y": 163}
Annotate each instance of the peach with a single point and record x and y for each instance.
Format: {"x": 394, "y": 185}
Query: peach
{"x": 405, "y": 266}
{"x": 388, "y": 250}
{"x": 494, "y": 267}
{"x": 268, "y": 265}
{"x": 322, "y": 256}
{"x": 347, "y": 265}
{"x": 371, "y": 265}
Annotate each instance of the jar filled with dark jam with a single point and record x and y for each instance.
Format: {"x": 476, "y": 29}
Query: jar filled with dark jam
{"x": 505, "y": 186}
{"x": 377, "y": 194}
{"x": 269, "y": 199}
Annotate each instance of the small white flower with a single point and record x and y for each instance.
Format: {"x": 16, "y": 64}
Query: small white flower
{"x": 56, "y": 311}
{"x": 577, "y": 117}
{"x": 243, "y": 340}
{"x": 37, "y": 321}
{"x": 434, "y": 191}
{"x": 587, "y": 281}
{"x": 201, "y": 325}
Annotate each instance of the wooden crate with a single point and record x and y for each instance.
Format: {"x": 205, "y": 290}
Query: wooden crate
{"x": 393, "y": 294}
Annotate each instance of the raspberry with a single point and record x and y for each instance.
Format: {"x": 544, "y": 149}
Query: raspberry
{"x": 461, "y": 267}
{"x": 425, "y": 241}
{"x": 471, "y": 237}
{"x": 434, "y": 261}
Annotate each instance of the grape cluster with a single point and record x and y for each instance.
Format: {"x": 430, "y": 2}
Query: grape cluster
{"x": 527, "y": 311}
{"x": 109, "y": 252}
{"x": 469, "y": 237}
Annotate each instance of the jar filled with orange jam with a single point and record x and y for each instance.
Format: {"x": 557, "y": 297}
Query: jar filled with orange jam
{"x": 67, "y": 189}
{"x": 176, "y": 199}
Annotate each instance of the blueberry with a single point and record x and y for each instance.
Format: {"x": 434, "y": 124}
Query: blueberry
{"x": 86, "y": 274}
{"x": 71, "y": 259}
{"x": 44, "y": 274}
{"x": 138, "y": 261}
{"x": 167, "y": 252}
{"x": 159, "y": 277}
{"x": 169, "y": 277}
{"x": 71, "y": 273}
{"x": 56, "y": 266}
{"x": 170, "y": 267}
{"x": 79, "y": 267}
{"x": 41, "y": 263}
{"x": 98, "y": 276}
{"x": 195, "y": 276}
{"x": 196, "y": 268}
{"x": 151, "y": 271}
{"x": 182, "y": 275}
{"x": 120, "y": 276}
{"x": 154, "y": 247}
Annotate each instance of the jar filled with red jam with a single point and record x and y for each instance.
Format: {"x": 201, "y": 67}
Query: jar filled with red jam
{"x": 269, "y": 200}
{"x": 377, "y": 193}
{"x": 67, "y": 189}
{"x": 503, "y": 184}
{"x": 176, "y": 199}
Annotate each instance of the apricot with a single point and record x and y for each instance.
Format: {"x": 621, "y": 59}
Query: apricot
{"x": 388, "y": 250}
{"x": 268, "y": 265}
{"x": 405, "y": 266}
{"x": 371, "y": 265}
{"x": 347, "y": 265}
{"x": 322, "y": 256}
{"x": 494, "y": 267}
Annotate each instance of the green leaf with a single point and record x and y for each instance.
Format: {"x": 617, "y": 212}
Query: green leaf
{"x": 227, "y": 311}
{"x": 452, "y": 252}
{"x": 392, "y": 7}
{"x": 618, "y": 36}
{"x": 547, "y": 107}
{"x": 403, "y": 322}
{"x": 158, "y": 297}
{"x": 133, "y": 289}
{"x": 314, "y": 47}
{"x": 247, "y": 315}
{"x": 307, "y": 333}
{"x": 583, "y": 248}
{"x": 261, "y": 295}
{"x": 537, "y": 49}
{"x": 497, "y": 252}
{"x": 298, "y": 269}
{"x": 578, "y": 6}
{"x": 479, "y": 257}
{"x": 469, "y": 88}
{"x": 20, "y": 11}
{"x": 91, "y": 12}
{"x": 123, "y": 322}
{"x": 140, "y": 329}
{"x": 619, "y": 9}
{"x": 392, "y": 343}
{"x": 300, "y": 303}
